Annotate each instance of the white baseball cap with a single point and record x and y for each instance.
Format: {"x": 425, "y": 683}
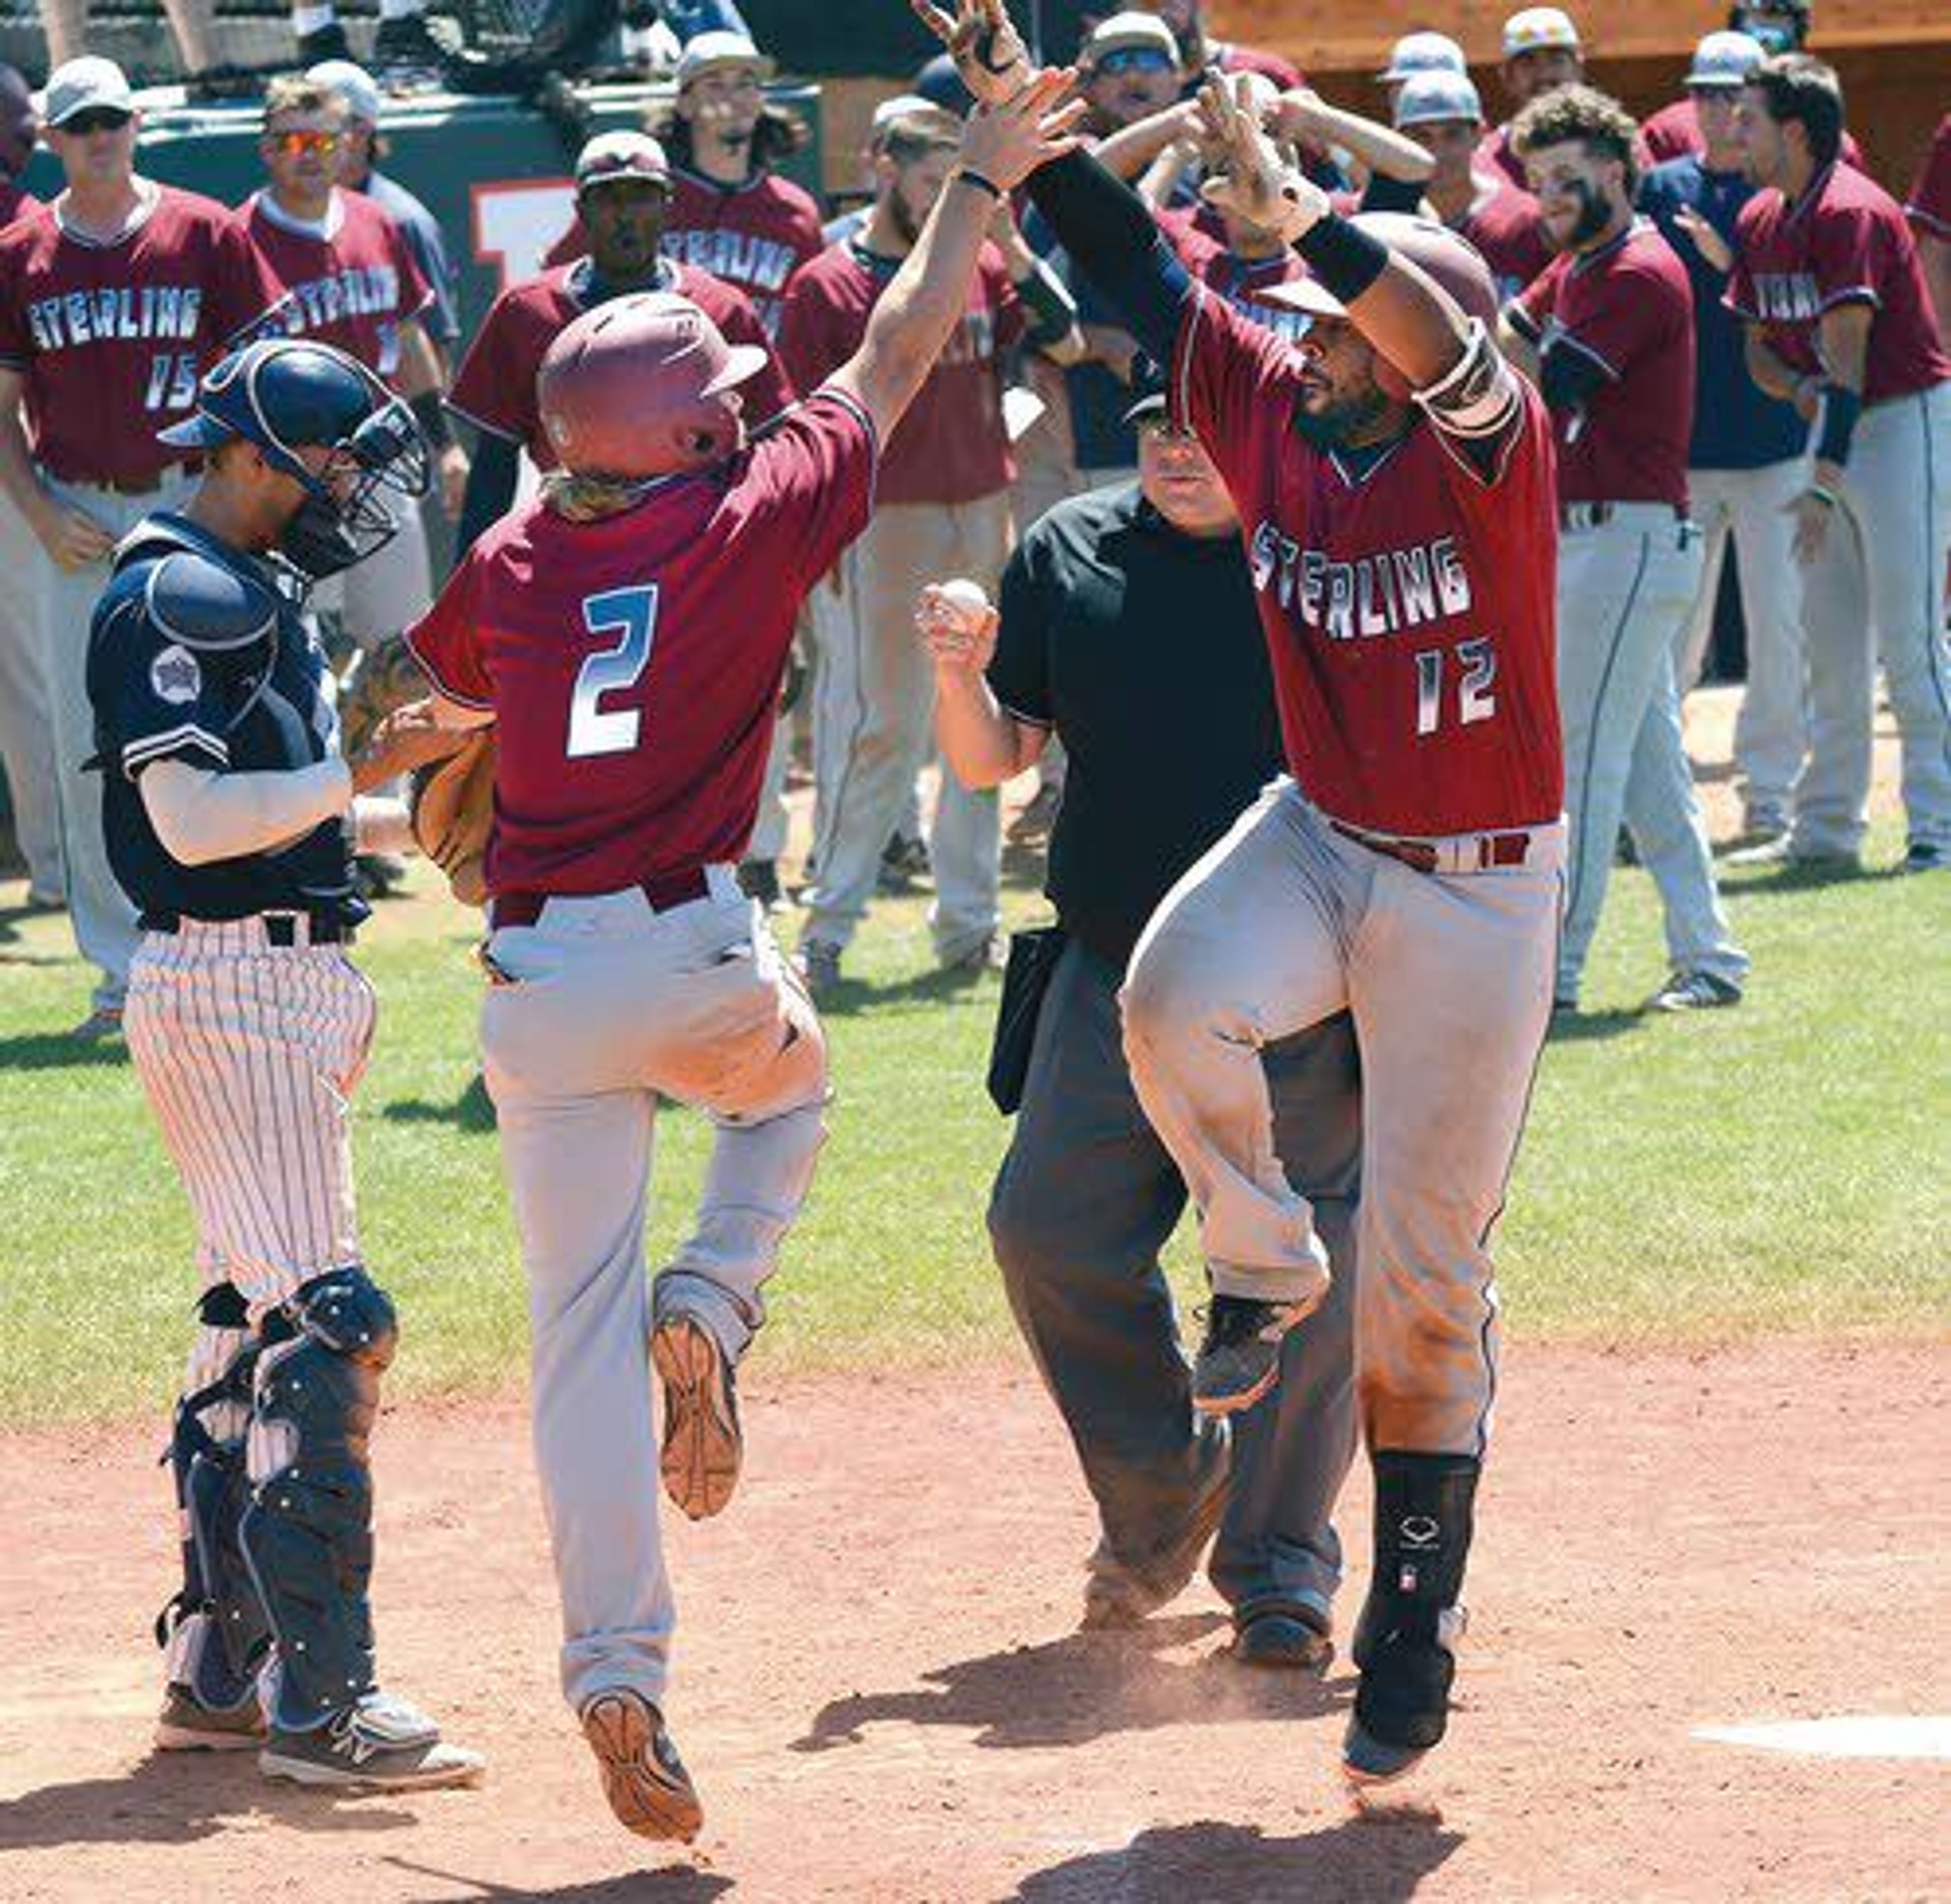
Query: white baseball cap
{"x": 899, "y": 106}
{"x": 1540, "y": 29}
{"x": 1429, "y": 97}
{"x": 1722, "y": 61}
{"x": 710, "y": 52}
{"x": 621, "y": 155}
{"x": 1423, "y": 53}
{"x": 81, "y": 85}
{"x": 353, "y": 84}
{"x": 1124, "y": 31}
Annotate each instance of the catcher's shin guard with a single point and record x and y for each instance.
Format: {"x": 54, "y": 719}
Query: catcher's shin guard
{"x": 213, "y": 1631}
{"x": 1424, "y": 1506}
{"x": 308, "y": 1531}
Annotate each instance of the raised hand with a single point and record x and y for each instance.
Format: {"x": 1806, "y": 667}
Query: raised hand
{"x": 988, "y": 51}
{"x": 957, "y": 624}
{"x": 1006, "y": 143}
{"x": 1712, "y": 246}
{"x": 1252, "y": 180}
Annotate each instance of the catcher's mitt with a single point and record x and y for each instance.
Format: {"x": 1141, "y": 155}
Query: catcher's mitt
{"x": 377, "y": 681}
{"x": 451, "y": 804}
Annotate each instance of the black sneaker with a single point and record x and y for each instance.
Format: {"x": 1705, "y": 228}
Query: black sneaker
{"x": 759, "y": 879}
{"x": 904, "y": 865}
{"x": 1239, "y": 1360}
{"x": 1283, "y": 1639}
{"x": 328, "y": 43}
{"x": 406, "y": 45}
{"x": 381, "y": 1744}
{"x": 1924, "y": 855}
{"x": 1695, "y": 992}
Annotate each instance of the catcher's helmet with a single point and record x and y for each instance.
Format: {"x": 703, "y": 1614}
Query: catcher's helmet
{"x": 284, "y": 395}
{"x": 1439, "y": 253}
{"x": 643, "y": 386}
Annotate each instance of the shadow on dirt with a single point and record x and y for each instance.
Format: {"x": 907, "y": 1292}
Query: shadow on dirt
{"x": 1084, "y": 1686}
{"x": 1374, "y": 1858}
{"x": 670, "y": 1884}
{"x": 181, "y": 1798}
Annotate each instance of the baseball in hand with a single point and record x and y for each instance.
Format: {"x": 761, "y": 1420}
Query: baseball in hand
{"x": 957, "y": 622}
{"x": 967, "y": 595}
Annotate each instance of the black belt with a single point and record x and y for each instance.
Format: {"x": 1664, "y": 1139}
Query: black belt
{"x": 667, "y": 890}
{"x": 281, "y": 928}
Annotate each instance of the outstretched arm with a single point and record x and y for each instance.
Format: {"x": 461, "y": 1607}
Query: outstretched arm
{"x": 1001, "y": 145}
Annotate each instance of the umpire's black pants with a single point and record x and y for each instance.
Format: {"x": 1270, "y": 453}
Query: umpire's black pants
{"x": 1086, "y": 1198}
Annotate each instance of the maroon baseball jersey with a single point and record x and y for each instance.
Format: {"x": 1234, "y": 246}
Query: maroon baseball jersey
{"x": 1508, "y": 227}
{"x": 1930, "y": 206}
{"x": 633, "y": 664}
{"x": 111, "y": 339}
{"x": 1675, "y": 132}
{"x": 495, "y": 388}
{"x": 1495, "y": 151}
{"x": 1230, "y": 58}
{"x": 753, "y": 236}
{"x": 1628, "y": 308}
{"x": 1239, "y": 280}
{"x": 351, "y": 285}
{"x": 951, "y": 446}
{"x": 1844, "y": 240}
{"x": 1406, "y": 596}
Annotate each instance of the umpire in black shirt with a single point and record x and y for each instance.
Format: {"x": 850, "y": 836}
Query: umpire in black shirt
{"x": 1127, "y": 628}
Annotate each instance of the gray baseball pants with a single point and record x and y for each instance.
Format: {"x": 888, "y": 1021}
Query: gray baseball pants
{"x": 26, "y": 746}
{"x": 600, "y": 1008}
{"x": 1085, "y": 1200}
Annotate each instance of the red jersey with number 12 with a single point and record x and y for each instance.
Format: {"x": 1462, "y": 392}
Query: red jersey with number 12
{"x": 633, "y": 662}
{"x": 1407, "y": 602}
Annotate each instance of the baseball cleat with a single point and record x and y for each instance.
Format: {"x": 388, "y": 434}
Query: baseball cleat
{"x": 643, "y": 1777}
{"x": 185, "y": 1724}
{"x": 819, "y": 967}
{"x": 1924, "y": 855}
{"x": 702, "y": 1447}
{"x": 1694, "y": 991}
{"x": 1119, "y": 1595}
{"x": 1367, "y": 1761}
{"x": 1239, "y": 1360}
{"x": 1283, "y": 1639}
{"x": 381, "y": 1744}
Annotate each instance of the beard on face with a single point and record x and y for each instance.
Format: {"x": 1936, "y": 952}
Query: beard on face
{"x": 1329, "y": 428}
{"x": 906, "y": 221}
{"x": 1593, "y": 212}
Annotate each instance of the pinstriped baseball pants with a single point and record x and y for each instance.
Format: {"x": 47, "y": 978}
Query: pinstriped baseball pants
{"x": 249, "y": 1053}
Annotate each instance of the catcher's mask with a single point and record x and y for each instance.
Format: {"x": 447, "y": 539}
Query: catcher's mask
{"x": 285, "y": 394}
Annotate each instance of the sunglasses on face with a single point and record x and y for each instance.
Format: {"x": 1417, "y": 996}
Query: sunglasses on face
{"x": 296, "y": 144}
{"x": 96, "y": 119}
{"x": 1133, "y": 59}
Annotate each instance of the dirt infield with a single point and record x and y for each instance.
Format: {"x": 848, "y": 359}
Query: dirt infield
{"x": 882, "y": 1698}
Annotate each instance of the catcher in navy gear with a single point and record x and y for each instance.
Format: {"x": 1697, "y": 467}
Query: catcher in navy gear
{"x": 231, "y": 820}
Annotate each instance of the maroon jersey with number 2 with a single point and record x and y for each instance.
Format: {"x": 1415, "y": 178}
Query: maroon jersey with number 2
{"x": 1407, "y": 598}
{"x": 633, "y": 664}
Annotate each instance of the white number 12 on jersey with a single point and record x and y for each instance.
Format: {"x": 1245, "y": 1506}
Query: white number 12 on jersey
{"x": 592, "y": 728}
{"x": 1475, "y": 700}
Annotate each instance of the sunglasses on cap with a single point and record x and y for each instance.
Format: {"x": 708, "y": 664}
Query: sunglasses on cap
{"x": 94, "y": 119}
{"x": 295, "y": 144}
{"x": 1133, "y": 59}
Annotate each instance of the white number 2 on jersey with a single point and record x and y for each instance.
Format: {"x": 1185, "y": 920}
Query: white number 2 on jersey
{"x": 1475, "y": 700}
{"x": 593, "y": 729}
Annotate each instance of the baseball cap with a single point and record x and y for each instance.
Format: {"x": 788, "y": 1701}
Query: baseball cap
{"x": 899, "y": 107}
{"x": 611, "y": 156}
{"x": 85, "y": 85}
{"x": 1148, "y": 384}
{"x": 1722, "y": 61}
{"x": 710, "y": 52}
{"x": 1124, "y": 32}
{"x": 353, "y": 84}
{"x": 941, "y": 85}
{"x": 1423, "y": 53}
{"x": 1540, "y": 29}
{"x": 1436, "y": 94}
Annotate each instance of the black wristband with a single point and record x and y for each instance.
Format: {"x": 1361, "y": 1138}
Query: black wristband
{"x": 1840, "y": 409}
{"x": 430, "y": 412}
{"x": 1345, "y": 258}
{"x": 969, "y": 176}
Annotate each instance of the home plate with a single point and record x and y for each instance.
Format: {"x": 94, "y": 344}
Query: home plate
{"x": 1910, "y": 1736}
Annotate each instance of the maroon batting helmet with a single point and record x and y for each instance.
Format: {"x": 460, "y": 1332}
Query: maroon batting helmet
{"x": 640, "y": 387}
{"x": 1441, "y": 253}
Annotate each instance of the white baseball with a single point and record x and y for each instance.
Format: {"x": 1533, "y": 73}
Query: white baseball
{"x": 969, "y": 596}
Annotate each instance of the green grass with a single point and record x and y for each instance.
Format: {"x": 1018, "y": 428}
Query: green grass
{"x": 1778, "y": 1168}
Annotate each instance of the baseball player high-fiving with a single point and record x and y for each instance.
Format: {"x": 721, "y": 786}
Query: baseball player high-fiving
{"x": 1393, "y": 479}
{"x": 627, "y": 633}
